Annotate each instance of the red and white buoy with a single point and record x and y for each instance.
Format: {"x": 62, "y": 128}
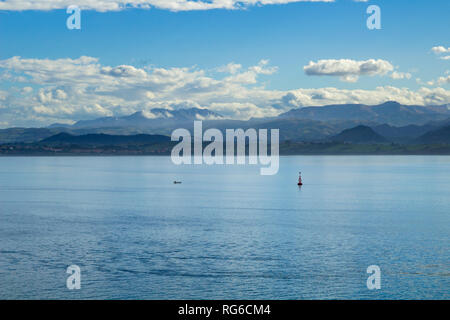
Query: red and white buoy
{"x": 300, "y": 183}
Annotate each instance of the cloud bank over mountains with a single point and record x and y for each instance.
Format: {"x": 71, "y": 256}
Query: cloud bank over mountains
{"x": 117, "y": 5}
{"x": 43, "y": 91}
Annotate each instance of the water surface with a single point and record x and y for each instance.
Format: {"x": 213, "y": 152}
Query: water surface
{"x": 226, "y": 232}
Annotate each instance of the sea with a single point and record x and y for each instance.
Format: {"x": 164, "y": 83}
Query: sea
{"x": 225, "y": 232}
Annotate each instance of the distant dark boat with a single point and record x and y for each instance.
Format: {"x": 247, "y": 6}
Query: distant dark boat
{"x": 177, "y": 182}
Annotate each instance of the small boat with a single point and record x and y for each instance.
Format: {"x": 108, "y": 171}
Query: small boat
{"x": 300, "y": 183}
{"x": 177, "y": 182}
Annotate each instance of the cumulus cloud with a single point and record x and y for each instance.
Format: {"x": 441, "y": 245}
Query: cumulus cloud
{"x": 26, "y": 90}
{"x": 348, "y": 70}
{"x": 116, "y": 5}
{"x": 440, "y": 50}
{"x": 230, "y": 68}
{"x": 83, "y": 88}
{"x": 64, "y": 90}
{"x": 440, "y": 81}
{"x": 400, "y": 75}
{"x": 123, "y": 71}
{"x": 3, "y": 94}
{"x": 250, "y": 76}
{"x": 325, "y": 96}
{"x": 443, "y": 80}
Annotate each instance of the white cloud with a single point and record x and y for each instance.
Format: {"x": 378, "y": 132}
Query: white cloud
{"x": 83, "y": 88}
{"x": 231, "y": 68}
{"x": 348, "y": 70}
{"x": 440, "y": 81}
{"x": 443, "y": 80}
{"x": 116, "y": 5}
{"x": 440, "y": 50}
{"x": 26, "y": 90}
{"x": 400, "y": 75}
{"x": 3, "y": 95}
{"x": 325, "y": 96}
{"x": 72, "y": 89}
{"x": 250, "y": 76}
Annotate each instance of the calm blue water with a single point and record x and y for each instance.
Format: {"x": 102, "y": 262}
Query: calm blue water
{"x": 226, "y": 232}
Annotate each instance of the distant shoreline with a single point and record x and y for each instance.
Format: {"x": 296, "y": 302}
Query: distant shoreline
{"x": 283, "y": 154}
{"x": 153, "y": 155}
{"x": 286, "y": 148}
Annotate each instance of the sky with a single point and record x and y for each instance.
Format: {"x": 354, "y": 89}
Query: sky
{"x": 241, "y": 59}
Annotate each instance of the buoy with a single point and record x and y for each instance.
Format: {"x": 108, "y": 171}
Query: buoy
{"x": 300, "y": 183}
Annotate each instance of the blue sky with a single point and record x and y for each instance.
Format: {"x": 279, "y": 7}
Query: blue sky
{"x": 272, "y": 44}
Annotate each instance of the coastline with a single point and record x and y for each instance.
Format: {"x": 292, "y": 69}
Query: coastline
{"x": 286, "y": 148}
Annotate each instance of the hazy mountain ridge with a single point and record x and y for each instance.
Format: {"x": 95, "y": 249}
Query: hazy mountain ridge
{"x": 390, "y": 112}
{"x": 155, "y": 116}
{"x": 308, "y": 124}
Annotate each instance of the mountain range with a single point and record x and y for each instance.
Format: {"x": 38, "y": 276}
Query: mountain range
{"x": 143, "y": 119}
{"x": 391, "y": 121}
{"x": 391, "y": 113}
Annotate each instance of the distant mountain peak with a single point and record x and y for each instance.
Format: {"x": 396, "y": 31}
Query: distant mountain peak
{"x": 161, "y": 113}
{"x": 390, "y": 103}
{"x": 140, "y": 115}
